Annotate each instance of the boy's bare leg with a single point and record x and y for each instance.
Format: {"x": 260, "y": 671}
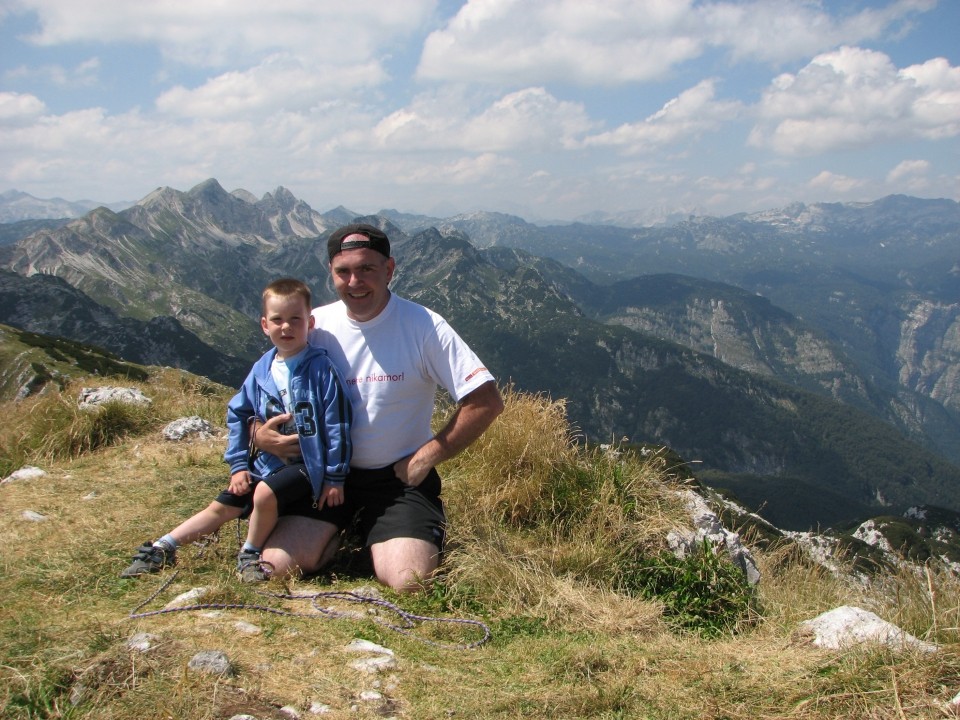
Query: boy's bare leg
{"x": 153, "y": 557}
{"x": 300, "y": 545}
{"x": 264, "y": 517}
{"x": 205, "y": 522}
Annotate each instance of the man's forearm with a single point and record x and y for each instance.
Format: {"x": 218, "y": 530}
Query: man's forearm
{"x": 474, "y": 415}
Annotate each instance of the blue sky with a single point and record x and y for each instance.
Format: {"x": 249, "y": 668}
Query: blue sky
{"x": 548, "y": 109}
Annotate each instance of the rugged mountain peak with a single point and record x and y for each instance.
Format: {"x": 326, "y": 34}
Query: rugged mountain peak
{"x": 488, "y": 216}
{"x": 245, "y": 195}
{"x": 205, "y": 210}
{"x": 101, "y": 220}
{"x": 340, "y": 216}
{"x": 892, "y": 213}
{"x": 431, "y": 244}
{"x": 283, "y": 198}
{"x": 196, "y": 202}
{"x": 486, "y": 229}
{"x": 161, "y": 196}
{"x": 209, "y": 189}
{"x": 287, "y": 215}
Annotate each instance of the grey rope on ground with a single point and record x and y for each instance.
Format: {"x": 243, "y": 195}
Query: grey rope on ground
{"x": 408, "y": 620}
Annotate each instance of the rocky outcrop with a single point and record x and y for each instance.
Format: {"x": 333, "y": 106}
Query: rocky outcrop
{"x": 928, "y": 354}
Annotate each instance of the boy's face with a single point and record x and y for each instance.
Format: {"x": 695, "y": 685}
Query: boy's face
{"x": 287, "y": 321}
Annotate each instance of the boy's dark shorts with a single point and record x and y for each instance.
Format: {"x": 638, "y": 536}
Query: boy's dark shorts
{"x": 291, "y": 485}
{"x": 389, "y": 509}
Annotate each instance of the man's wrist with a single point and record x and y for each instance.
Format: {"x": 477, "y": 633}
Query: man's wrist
{"x": 429, "y": 455}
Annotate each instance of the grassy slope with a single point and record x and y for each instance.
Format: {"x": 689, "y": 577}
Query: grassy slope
{"x": 542, "y": 533}
{"x": 33, "y": 360}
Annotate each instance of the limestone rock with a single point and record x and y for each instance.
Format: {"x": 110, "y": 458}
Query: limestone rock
{"x": 846, "y": 626}
{"x": 141, "y": 642}
{"x": 188, "y": 598}
{"x": 707, "y": 526}
{"x": 27, "y": 472}
{"x": 188, "y": 427}
{"x": 214, "y": 662}
{"x": 94, "y": 397}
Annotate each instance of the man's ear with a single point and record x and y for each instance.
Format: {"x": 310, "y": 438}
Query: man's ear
{"x": 312, "y": 322}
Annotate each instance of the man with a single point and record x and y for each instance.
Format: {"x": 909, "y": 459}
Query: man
{"x": 393, "y": 354}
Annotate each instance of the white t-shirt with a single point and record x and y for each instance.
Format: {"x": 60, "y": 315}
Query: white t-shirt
{"x": 392, "y": 366}
{"x": 280, "y": 369}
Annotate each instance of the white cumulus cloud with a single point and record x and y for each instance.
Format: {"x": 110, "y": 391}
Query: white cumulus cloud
{"x": 526, "y": 121}
{"x": 834, "y": 182}
{"x": 280, "y": 82}
{"x": 782, "y": 30}
{"x": 217, "y": 33}
{"x": 507, "y": 42}
{"x": 625, "y": 41}
{"x": 16, "y": 107}
{"x": 561, "y": 105}
{"x": 854, "y": 97}
{"x": 686, "y": 116}
{"x": 907, "y": 169}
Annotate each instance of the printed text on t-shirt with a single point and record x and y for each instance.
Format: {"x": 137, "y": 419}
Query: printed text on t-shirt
{"x": 376, "y": 378}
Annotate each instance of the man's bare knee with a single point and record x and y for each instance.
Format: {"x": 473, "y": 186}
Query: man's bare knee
{"x": 281, "y": 564}
{"x": 405, "y": 564}
{"x": 405, "y": 581}
{"x": 298, "y": 545}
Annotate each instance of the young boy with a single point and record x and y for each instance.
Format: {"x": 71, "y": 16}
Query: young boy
{"x": 293, "y": 377}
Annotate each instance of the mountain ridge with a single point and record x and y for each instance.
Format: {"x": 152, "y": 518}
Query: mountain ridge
{"x": 202, "y": 256}
{"x": 16, "y": 206}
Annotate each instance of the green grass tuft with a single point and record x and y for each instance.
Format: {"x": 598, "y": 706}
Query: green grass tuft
{"x": 702, "y": 592}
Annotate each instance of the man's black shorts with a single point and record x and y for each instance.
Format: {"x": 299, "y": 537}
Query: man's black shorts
{"x": 390, "y": 509}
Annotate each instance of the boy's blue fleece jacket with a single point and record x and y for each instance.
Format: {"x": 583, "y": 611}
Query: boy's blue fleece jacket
{"x": 321, "y": 409}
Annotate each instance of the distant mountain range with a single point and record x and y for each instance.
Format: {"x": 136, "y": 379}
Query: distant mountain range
{"x": 16, "y": 206}
{"x": 805, "y": 359}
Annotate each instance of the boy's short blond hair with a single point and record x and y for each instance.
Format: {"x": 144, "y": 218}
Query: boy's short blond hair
{"x": 284, "y": 288}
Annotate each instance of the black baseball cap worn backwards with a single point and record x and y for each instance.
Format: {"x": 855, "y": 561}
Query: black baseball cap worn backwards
{"x": 376, "y": 239}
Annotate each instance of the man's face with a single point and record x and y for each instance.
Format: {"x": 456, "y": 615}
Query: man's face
{"x": 360, "y": 277}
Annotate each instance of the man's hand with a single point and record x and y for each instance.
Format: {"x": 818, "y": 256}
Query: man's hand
{"x": 269, "y": 439}
{"x": 409, "y": 471}
{"x": 240, "y": 482}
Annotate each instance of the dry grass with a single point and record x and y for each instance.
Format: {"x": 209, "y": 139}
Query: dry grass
{"x": 53, "y": 427}
{"x": 540, "y": 529}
